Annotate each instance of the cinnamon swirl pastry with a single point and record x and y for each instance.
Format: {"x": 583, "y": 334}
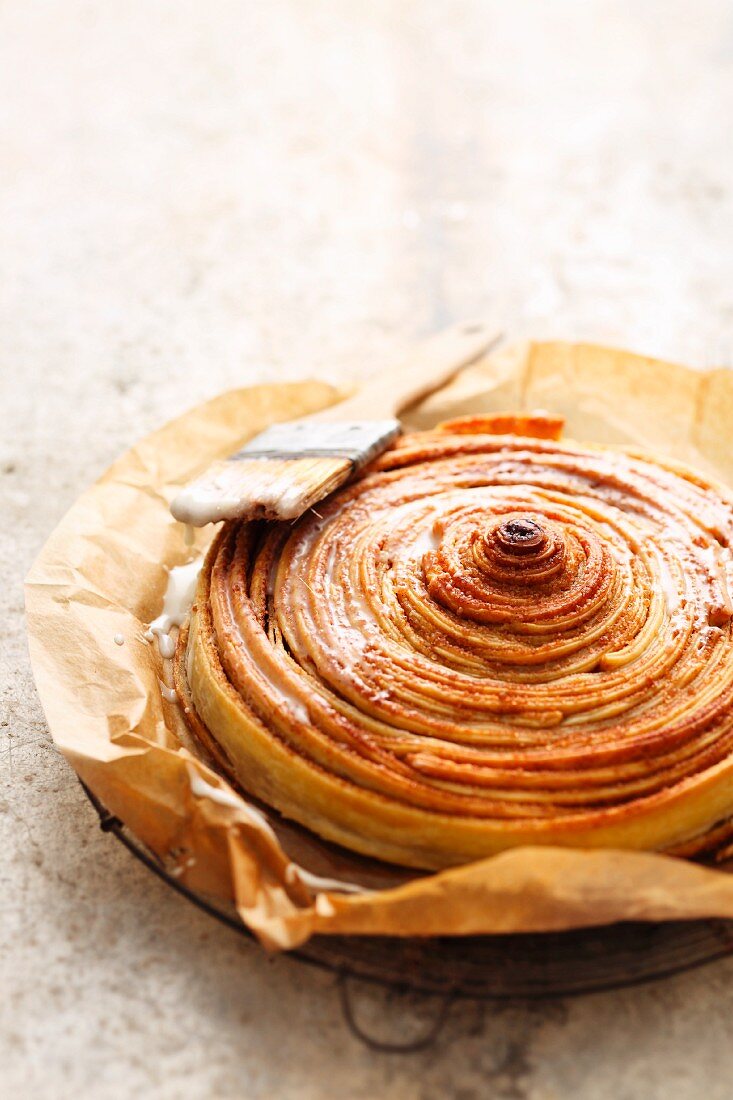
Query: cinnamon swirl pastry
{"x": 485, "y": 640}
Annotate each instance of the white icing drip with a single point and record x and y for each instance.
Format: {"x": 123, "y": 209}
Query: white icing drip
{"x": 178, "y": 870}
{"x": 179, "y": 594}
{"x": 189, "y": 663}
{"x": 222, "y": 797}
{"x": 621, "y": 552}
{"x": 364, "y": 614}
{"x": 294, "y": 872}
{"x": 119, "y": 639}
{"x": 668, "y": 587}
{"x": 426, "y": 541}
{"x": 177, "y": 601}
{"x": 277, "y": 687}
{"x": 716, "y": 563}
{"x": 168, "y": 693}
{"x": 706, "y": 579}
{"x": 678, "y": 622}
{"x": 331, "y": 565}
{"x": 295, "y": 705}
{"x": 166, "y": 644}
{"x": 710, "y": 560}
{"x": 271, "y": 575}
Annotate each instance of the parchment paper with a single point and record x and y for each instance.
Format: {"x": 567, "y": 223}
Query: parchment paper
{"x": 103, "y": 573}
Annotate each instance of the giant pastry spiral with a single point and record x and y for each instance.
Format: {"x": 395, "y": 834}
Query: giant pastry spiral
{"x": 485, "y": 640}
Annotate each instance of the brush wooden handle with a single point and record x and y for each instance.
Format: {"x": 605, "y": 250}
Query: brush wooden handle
{"x": 429, "y": 366}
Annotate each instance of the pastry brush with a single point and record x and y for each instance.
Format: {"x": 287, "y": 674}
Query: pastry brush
{"x": 289, "y": 467}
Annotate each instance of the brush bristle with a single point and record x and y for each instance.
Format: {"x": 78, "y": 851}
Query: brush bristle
{"x": 260, "y": 488}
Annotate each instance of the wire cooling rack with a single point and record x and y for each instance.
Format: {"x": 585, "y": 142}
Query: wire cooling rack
{"x": 507, "y": 967}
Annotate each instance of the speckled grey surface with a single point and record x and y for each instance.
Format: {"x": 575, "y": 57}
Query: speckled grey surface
{"x": 197, "y": 196}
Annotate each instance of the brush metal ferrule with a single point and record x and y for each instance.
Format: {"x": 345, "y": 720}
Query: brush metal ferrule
{"x": 357, "y": 441}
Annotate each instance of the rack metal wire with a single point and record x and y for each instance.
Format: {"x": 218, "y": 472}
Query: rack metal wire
{"x": 516, "y": 967}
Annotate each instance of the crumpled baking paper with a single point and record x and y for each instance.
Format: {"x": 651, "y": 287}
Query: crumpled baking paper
{"x": 103, "y": 573}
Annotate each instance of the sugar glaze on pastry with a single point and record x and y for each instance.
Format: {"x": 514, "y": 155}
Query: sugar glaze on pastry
{"x": 485, "y": 640}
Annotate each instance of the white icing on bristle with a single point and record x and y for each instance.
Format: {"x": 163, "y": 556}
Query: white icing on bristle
{"x": 215, "y": 496}
{"x": 286, "y": 502}
{"x": 119, "y": 639}
{"x": 227, "y": 490}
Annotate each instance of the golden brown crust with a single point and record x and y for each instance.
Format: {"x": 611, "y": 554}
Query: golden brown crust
{"x": 483, "y": 641}
{"x": 531, "y": 425}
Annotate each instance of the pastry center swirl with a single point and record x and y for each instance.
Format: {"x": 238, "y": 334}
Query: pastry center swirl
{"x": 522, "y": 535}
{"x": 494, "y": 566}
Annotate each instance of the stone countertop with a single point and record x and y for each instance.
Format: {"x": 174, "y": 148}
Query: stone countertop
{"x": 194, "y": 197}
